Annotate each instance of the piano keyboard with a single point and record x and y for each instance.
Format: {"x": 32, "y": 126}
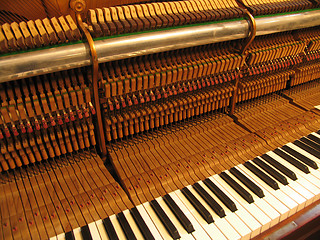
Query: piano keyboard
{"x": 239, "y": 203}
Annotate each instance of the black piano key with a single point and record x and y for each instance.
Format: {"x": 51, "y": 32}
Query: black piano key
{"x": 247, "y": 182}
{"x": 165, "y": 220}
{"x": 240, "y": 190}
{"x": 85, "y": 232}
{"x": 209, "y": 200}
{"x": 274, "y": 173}
{"x": 292, "y": 160}
{"x": 310, "y": 143}
{"x": 301, "y": 157}
{"x": 69, "y": 236}
{"x": 179, "y": 214}
{"x": 279, "y": 166}
{"x": 141, "y": 224}
{"x": 314, "y": 138}
{"x": 126, "y": 227}
{"x": 110, "y": 229}
{"x": 197, "y": 205}
{"x": 307, "y": 148}
{"x": 223, "y": 197}
{"x": 264, "y": 177}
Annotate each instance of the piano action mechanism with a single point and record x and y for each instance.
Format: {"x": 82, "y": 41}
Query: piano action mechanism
{"x": 159, "y": 120}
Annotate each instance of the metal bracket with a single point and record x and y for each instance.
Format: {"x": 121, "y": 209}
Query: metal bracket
{"x": 79, "y": 6}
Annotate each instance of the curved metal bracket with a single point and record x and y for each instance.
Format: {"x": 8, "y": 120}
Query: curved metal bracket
{"x": 78, "y": 6}
{"x": 252, "y": 26}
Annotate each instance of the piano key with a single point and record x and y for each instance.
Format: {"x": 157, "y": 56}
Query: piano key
{"x": 209, "y": 200}
{"x": 314, "y": 138}
{"x": 117, "y": 227}
{"x": 241, "y": 191}
{"x": 264, "y": 177}
{"x": 247, "y": 182}
{"x": 251, "y": 212}
{"x": 182, "y": 232}
{"x": 194, "y": 201}
{"x": 266, "y": 203}
{"x": 94, "y": 231}
{"x": 165, "y": 220}
{"x": 133, "y": 225}
{"x": 307, "y": 148}
{"x": 216, "y": 229}
{"x": 279, "y": 166}
{"x": 61, "y": 236}
{"x": 301, "y": 157}
{"x": 179, "y": 214}
{"x": 224, "y": 198}
{"x": 230, "y": 223}
{"x": 85, "y": 232}
{"x": 125, "y": 226}
{"x": 195, "y": 218}
{"x": 250, "y": 221}
{"x": 310, "y": 143}
{"x": 69, "y": 235}
{"x": 102, "y": 230}
{"x": 110, "y": 229}
{"x": 292, "y": 160}
{"x": 281, "y": 195}
{"x": 77, "y": 234}
{"x": 275, "y": 174}
{"x": 141, "y": 224}
{"x": 156, "y": 221}
{"x": 146, "y": 218}
{"x": 302, "y": 179}
{"x": 301, "y": 195}
{"x": 303, "y": 152}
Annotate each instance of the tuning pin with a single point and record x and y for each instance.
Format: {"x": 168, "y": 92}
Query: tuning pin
{"x": 92, "y": 109}
{"x": 141, "y": 98}
{"x": 29, "y": 127}
{"x": 116, "y": 103}
{"x": 110, "y": 105}
{"x": 60, "y": 122}
{"x": 79, "y": 112}
{"x": 72, "y": 117}
{"x": 129, "y": 101}
{"x": 44, "y": 123}
{"x": 153, "y": 97}
{"x": 165, "y": 95}
{"x": 135, "y": 100}
{"x": 174, "y": 90}
{"x": 22, "y": 128}
{"x": 36, "y": 124}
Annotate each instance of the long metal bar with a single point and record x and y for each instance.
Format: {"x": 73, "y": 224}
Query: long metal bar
{"x": 38, "y": 62}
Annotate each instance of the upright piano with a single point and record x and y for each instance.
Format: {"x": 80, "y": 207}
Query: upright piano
{"x": 194, "y": 119}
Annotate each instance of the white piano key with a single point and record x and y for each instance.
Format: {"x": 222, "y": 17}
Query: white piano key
{"x": 269, "y": 204}
{"x": 299, "y": 189}
{"x": 199, "y": 233}
{"x": 302, "y": 177}
{"x": 294, "y": 195}
{"x": 153, "y": 229}
{"x": 94, "y": 231}
{"x": 242, "y": 212}
{"x": 77, "y": 234}
{"x": 270, "y": 213}
{"x": 156, "y": 220}
{"x": 303, "y": 152}
{"x": 102, "y": 230}
{"x": 210, "y": 229}
{"x": 183, "y": 233}
{"x": 284, "y": 197}
{"x": 133, "y": 224}
{"x": 53, "y": 238}
{"x": 222, "y": 223}
{"x": 61, "y": 236}
{"x": 117, "y": 227}
{"x": 238, "y": 223}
